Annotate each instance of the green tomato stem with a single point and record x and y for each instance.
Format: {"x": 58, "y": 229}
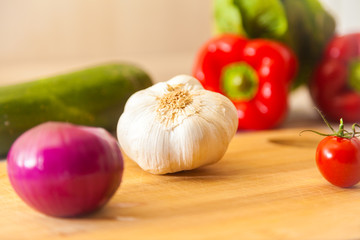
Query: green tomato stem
{"x": 342, "y": 133}
{"x": 354, "y": 134}
{"x": 324, "y": 119}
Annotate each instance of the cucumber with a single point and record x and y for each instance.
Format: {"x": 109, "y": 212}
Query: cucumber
{"x": 94, "y": 97}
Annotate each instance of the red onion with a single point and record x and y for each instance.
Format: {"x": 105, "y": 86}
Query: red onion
{"x": 65, "y": 170}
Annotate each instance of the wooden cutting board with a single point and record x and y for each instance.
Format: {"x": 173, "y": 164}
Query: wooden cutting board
{"x": 266, "y": 186}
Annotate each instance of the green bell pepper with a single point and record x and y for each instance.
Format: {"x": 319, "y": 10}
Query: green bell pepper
{"x": 303, "y": 25}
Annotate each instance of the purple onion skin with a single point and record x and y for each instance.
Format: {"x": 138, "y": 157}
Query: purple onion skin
{"x": 65, "y": 170}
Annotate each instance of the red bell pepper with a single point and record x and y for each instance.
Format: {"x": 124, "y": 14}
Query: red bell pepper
{"x": 335, "y": 87}
{"x": 255, "y": 74}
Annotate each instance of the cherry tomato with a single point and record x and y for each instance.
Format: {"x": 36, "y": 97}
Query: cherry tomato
{"x": 338, "y": 154}
{"x": 338, "y": 159}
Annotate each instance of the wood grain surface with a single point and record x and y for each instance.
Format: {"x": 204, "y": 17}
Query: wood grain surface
{"x": 266, "y": 186}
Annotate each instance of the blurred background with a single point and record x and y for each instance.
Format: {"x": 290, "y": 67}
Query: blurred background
{"x": 42, "y": 37}
{"x": 39, "y": 37}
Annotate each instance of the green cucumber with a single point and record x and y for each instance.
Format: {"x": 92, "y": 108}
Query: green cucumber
{"x": 93, "y": 97}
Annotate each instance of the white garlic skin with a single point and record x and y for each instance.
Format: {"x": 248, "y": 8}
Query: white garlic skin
{"x": 196, "y": 135}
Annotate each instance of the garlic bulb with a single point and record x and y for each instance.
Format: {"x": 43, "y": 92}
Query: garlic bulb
{"x": 176, "y": 125}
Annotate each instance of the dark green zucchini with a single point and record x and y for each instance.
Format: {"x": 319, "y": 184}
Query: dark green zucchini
{"x": 94, "y": 97}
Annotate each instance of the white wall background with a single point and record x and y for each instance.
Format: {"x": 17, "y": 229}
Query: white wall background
{"x": 347, "y": 14}
{"x": 42, "y": 29}
{"x": 41, "y": 37}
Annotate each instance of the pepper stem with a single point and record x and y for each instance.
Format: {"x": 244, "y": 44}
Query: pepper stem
{"x": 354, "y": 74}
{"x": 239, "y": 81}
